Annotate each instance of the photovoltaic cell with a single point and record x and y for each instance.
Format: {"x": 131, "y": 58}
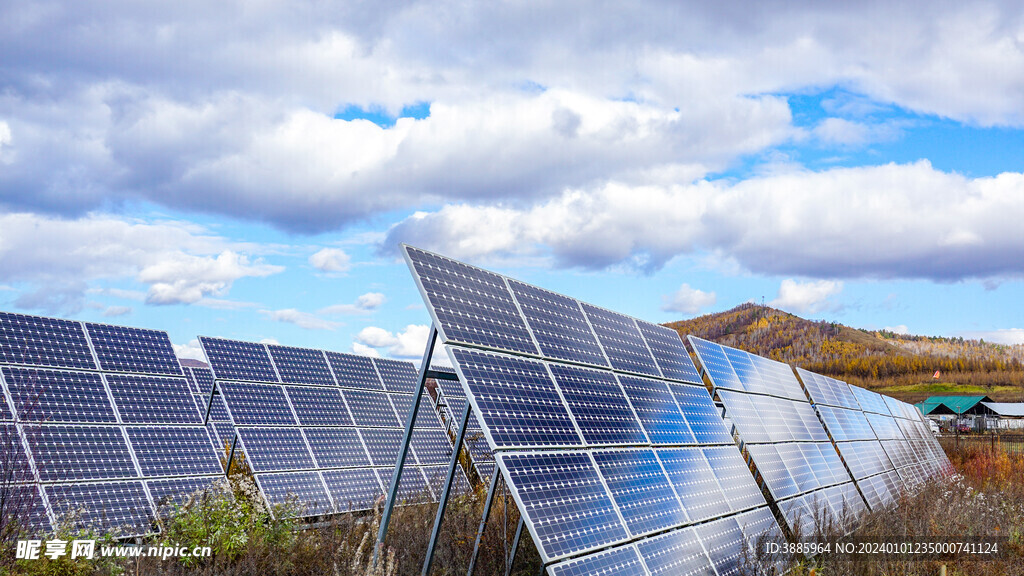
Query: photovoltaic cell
{"x": 257, "y": 404}
{"x": 337, "y": 447}
{"x": 743, "y": 365}
{"x": 432, "y": 446}
{"x": 120, "y": 508}
{"x": 473, "y": 306}
{"x": 319, "y": 406}
{"x": 412, "y": 488}
{"x": 723, "y": 541}
{"x": 175, "y": 491}
{"x": 353, "y": 371}
{"x": 436, "y": 477}
{"x": 301, "y": 365}
{"x": 677, "y": 553}
{"x": 234, "y": 360}
{"x": 397, "y": 376}
{"x": 621, "y": 340}
{"x": 304, "y": 492}
{"x": 558, "y": 324}
{"x": 870, "y": 401}
{"x": 598, "y": 405}
{"x": 58, "y": 395}
{"x": 657, "y": 409}
{"x": 716, "y": 364}
{"x": 773, "y": 470}
{"x": 704, "y": 418}
{"x": 371, "y": 408}
{"x": 66, "y": 453}
{"x": 274, "y": 449}
{"x": 24, "y": 504}
{"x": 43, "y": 342}
{"x": 517, "y": 400}
{"x": 173, "y": 451}
{"x": 153, "y": 400}
{"x": 741, "y": 411}
{"x": 123, "y": 349}
{"x": 641, "y": 490}
{"x": 695, "y": 482}
{"x": 669, "y": 352}
{"x": 567, "y": 505}
{"x": 383, "y": 446}
{"x": 622, "y": 561}
{"x": 353, "y": 489}
{"x": 203, "y": 378}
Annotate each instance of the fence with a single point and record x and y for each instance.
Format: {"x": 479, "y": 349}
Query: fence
{"x": 1009, "y": 443}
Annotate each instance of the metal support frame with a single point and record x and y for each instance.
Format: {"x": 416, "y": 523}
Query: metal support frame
{"x": 491, "y": 491}
{"x": 396, "y": 476}
{"x": 231, "y": 455}
{"x": 453, "y": 465}
{"x": 515, "y": 547}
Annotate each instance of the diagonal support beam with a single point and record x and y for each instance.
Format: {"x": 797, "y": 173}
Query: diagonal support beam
{"x": 396, "y": 476}
{"x": 453, "y": 465}
{"x": 515, "y": 547}
{"x": 491, "y": 491}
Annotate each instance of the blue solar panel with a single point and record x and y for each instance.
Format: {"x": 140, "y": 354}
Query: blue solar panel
{"x": 472, "y": 306}
{"x": 734, "y": 477}
{"x": 695, "y": 482}
{"x": 797, "y": 466}
{"x": 337, "y": 447}
{"x": 656, "y": 407}
{"x": 122, "y": 349}
{"x": 436, "y": 477}
{"x": 353, "y": 371}
{"x": 257, "y": 404}
{"x": 58, "y": 395}
{"x": 558, "y": 324}
{"x": 119, "y": 508}
{"x": 234, "y": 360}
{"x": 870, "y": 401}
{"x": 23, "y": 504}
{"x": 669, "y": 352}
{"x": 567, "y": 507}
{"x": 384, "y": 444}
{"x": 678, "y": 553}
{"x": 622, "y": 561}
{"x": 153, "y": 400}
{"x": 622, "y": 341}
{"x": 175, "y": 491}
{"x": 704, "y": 418}
{"x": 743, "y": 365}
{"x": 885, "y": 427}
{"x": 302, "y": 492}
{"x": 742, "y": 412}
{"x": 203, "y": 378}
{"x": 432, "y": 446}
{"x": 371, "y": 408}
{"x": 517, "y": 400}
{"x": 723, "y": 541}
{"x": 413, "y": 487}
{"x": 319, "y": 406}
{"x": 426, "y": 416}
{"x": 353, "y": 490}
{"x": 810, "y": 421}
{"x": 40, "y": 341}
{"x": 173, "y": 451}
{"x": 717, "y": 366}
{"x": 598, "y": 405}
{"x": 641, "y": 490}
{"x": 65, "y": 453}
{"x": 274, "y": 449}
{"x": 397, "y": 376}
{"x": 773, "y": 470}
{"x": 301, "y": 365}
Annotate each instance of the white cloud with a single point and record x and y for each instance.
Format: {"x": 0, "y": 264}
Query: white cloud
{"x": 408, "y": 343}
{"x": 364, "y": 350}
{"x": 688, "y": 300}
{"x": 1009, "y": 336}
{"x": 363, "y": 305}
{"x": 333, "y": 260}
{"x": 186, "y": 279}
{"x": 191, "y": 350}
{"x": 269, "y": 341}
{"x": 114, "y": 311}
{"x": 300, "y": 319}
{"x": 900, "y": 329}
{"x": 806, "y": 297}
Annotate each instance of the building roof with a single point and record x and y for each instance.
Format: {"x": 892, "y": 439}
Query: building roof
{"x": 956, "y": 405}
{"x": 1006, "y": 409}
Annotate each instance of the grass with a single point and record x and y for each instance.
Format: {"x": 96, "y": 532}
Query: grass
{"x": 924, "y": 389}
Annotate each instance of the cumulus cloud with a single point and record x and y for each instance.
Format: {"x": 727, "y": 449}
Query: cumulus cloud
{"x": 300, "y": 319}
{"x": 190, "y": 350}
{"x": 1008, "y": 336}
{"x": 889, "y": 221}
{"x": 364, "y": 350}
{"x": 688, "y": 300}
{"x": 363, "y": 305}
{"x": 59, "y": 259}
{"x": 806, "y": 297}
{"x": 900, "y": 329}
{"x": 331, "y": 260}
{"x": 408, "y": 343}
{"x": 115, "y": 311}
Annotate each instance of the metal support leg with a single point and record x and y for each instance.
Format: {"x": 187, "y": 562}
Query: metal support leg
{"x": 396, "y": 476}
{"x": 515, "y": 547}
{"x": 491, "y": 491}
{"x": 453, "y": 465}
{"x": 231, "y": 455}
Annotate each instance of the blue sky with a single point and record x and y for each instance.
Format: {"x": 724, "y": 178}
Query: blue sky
{"x": 247, "y": 171}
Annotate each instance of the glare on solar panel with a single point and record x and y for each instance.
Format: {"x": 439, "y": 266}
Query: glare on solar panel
{"x": 621, "y": 340}
{"x": 704, "y": 418}
{"x": 695, "y": 482}
{"x": 734, "y": 476}
{"x": 744, "y": 415}
{"x": 655, "y": 406}
{"x": 598, "y": 405}
{"x": 723, "y": 542}
{"x": 773, "y": 470}
{"x": 641, "y": 490}
{"x": 621, "y": 561}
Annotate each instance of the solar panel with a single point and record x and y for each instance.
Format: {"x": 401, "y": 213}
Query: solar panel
{"x": 173, "y": 451}
{"x": 431, "y": 446}
{"x": 704, "y": 418}
{"x": 137, "y": 350}
{"x": 274, "y": 449}
{"x": 641, "y": 490}
{"x": 58, "y": 395}
{"x": 773, "y": 470}
{"x": 716, "y": 365}
{"x": 174, "y": 491}
{"x": 36, "y": 341}
{"x": 568, "y": 509}
{"x": 234, "y": 360}
{"x": 303, "y": 490}
{"x": 383, "y": 446}
{"x": 656, "y": 407}
{"x": 257, "y": 404}
{"x": 301, "y": 365}
{"x": 371, "y": 408}
{"x": 353, "y": 371}
{"x": 558, "y": 324}
{"x": 622, "y": 561}
{"x": 723, "y": 541}
{"x": 397, "y": 376}
{"x": 471, "y": 305}
{"x": 153, "y": 400}
{"x": 66, "y": 453}
{"x": 516, "y": 400}
{"x": 695, "y": 482}
{"x": 732, "y": 472}
{"x": 869, "y": 401}
{"x": 119, "y": 508}
{"x": 622, "y": 342}
{"x": 677, "y": 553}
{"x": 669, "y": 352}
{"x": 745, "y": 416}
{"x": 337, "y": 447}
{"x": 598, "y": 406}
{"x": 353, "y": 489}
{"x": 319, "y": 406}
{"x": 413, "y": 487}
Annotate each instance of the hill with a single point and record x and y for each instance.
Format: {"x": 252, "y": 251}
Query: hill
{"x": 899, "y": 365}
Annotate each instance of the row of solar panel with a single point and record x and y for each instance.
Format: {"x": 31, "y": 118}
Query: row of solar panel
{"x": 829, "y": 510}
{"x": 255, "y": 362}
{"x": 52, "y": 342}
{"x": 761, "y": 419}
{"x": 738, "y": 370}
{"x": 578, "y": 501}
{"x": 527, "y": 403}
{"x": 481, "y": 308}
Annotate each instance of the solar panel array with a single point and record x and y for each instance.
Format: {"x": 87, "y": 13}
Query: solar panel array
{"x": 325, "y": 426}
{"x": 884, "y": 442}
{"x": 450, "y": 402}
{"x": 782, "y": 436}
{"x": 611, "y": 446}
{"x": 103, "y": 420}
